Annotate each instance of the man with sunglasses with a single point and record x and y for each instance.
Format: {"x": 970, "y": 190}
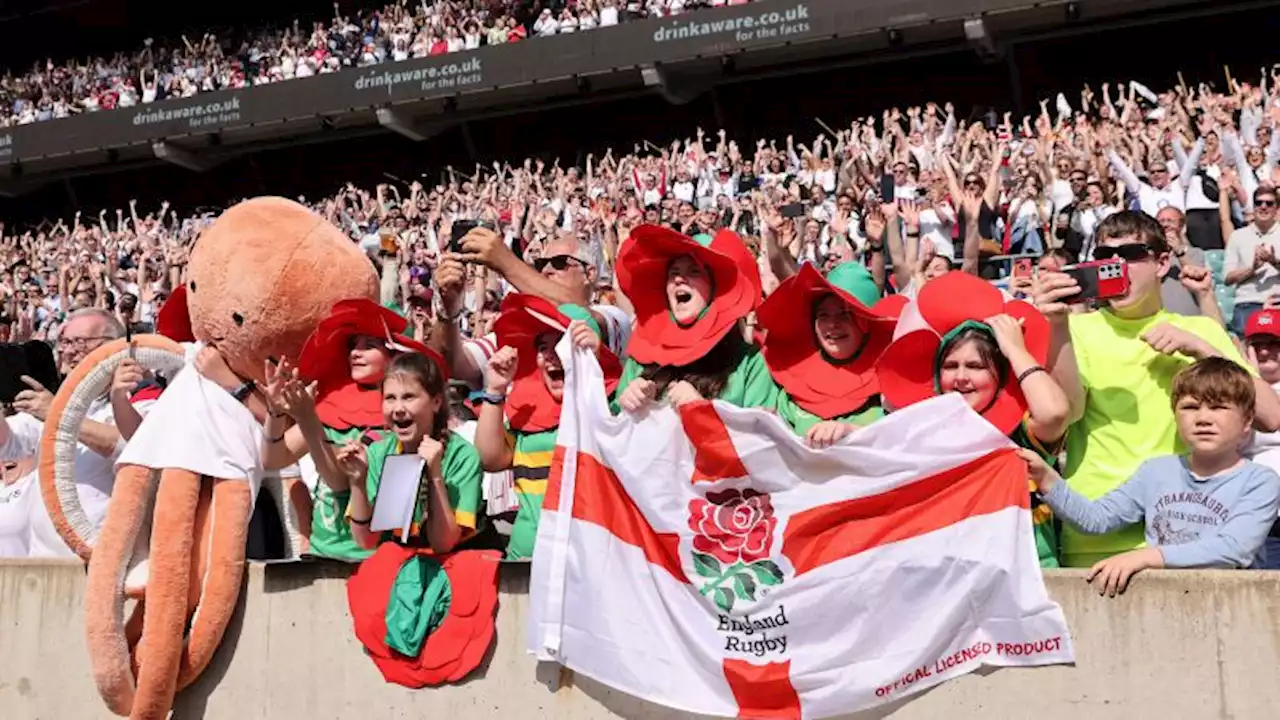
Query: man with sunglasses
{"x": 1252, "y": 261}
{"x": 562, "y": 274}
{"x": 1116, "y": 366}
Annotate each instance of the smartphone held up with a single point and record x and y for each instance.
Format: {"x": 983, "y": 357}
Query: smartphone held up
{"x": 1098, "y": 280}
{"x": 460, "y": 230}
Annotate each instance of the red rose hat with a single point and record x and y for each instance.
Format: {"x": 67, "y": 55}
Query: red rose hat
{"x": 825, "y": 387}
{"x": 642, "y": 276}
{"x": 908, "y": 369}
{"x": 530, "y": 406}
{"x": 342, "y": 403}
{"x": 451, "y": 650}
{"x": 174, "y": 319}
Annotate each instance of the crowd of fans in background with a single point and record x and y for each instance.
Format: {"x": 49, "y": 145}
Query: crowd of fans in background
{"x": 912, "y": 194}
{"x": 236, "y": 59}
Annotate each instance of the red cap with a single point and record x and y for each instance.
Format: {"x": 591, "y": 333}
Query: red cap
{"x": 1263, "y": 322}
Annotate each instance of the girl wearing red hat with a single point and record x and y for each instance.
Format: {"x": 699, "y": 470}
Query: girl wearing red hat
{"x": 962, "y": 336}
{"x": 689, "y": 295}
{"x": 520, "y": 407}
{"x": 826, "y": 366}
{"x": 346, "y": 359}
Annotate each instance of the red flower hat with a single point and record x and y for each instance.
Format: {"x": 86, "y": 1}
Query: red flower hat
{"x": 642, "y": 275}
{"x": 816, "y": 383}
{"x": 342, "y": 403}
{"x": 458, "y": 645}
{"x": 174, "y": 319}
{"x": 530, "y": 407}
{"x": 908, "y": 369}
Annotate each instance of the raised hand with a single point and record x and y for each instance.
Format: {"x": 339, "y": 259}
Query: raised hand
{"x": 501, "y": 370}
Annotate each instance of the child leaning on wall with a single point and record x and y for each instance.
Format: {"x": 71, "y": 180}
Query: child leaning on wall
{"x": 1207, "y": 508}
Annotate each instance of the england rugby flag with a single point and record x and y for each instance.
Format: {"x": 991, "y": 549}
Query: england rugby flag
{"x": 706, "y": 560}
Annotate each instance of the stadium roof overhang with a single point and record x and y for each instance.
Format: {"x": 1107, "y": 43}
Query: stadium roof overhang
{"x": 674, "y": 59}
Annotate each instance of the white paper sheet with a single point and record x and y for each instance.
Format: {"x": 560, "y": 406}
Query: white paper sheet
{"x": 398, "y": 491}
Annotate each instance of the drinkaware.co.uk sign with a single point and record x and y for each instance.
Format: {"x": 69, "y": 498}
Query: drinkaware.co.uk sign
{"x": 487, "y": 69}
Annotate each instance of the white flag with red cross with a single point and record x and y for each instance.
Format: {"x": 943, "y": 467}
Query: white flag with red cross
{"x": 706, "y": 560}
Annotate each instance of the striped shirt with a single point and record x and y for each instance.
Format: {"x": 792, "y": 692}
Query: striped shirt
{"x": 530, "y": 466}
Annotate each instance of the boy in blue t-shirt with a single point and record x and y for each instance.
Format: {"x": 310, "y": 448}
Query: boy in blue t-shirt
{"x": 1208, "y": 508}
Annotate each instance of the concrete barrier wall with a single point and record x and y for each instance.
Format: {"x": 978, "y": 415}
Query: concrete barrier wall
{"x": 1185, "y": 645}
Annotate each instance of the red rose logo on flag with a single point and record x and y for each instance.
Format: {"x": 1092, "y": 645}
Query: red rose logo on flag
{"x": 734, "y": 534}
{"x": 733, "y": 525}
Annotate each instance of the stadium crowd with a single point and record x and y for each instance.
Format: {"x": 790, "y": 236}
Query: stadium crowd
{"x": 1179, "y": 185}
{"x": 237, "y": 59}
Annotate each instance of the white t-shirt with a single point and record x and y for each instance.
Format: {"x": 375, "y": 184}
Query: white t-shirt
{"x": 95, "y": 475}
{"x": 16, "y": 501}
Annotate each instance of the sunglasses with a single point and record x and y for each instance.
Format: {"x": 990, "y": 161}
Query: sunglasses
{"x": 558, "y": 262}
{"x": 1265, "y": 203}
{"x": 1130, "y": 252}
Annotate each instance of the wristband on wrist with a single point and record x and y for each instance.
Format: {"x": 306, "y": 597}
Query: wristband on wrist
{"x": 1029, "y": 372}
{"x": 243, "y": 389}
{"x": 361, "y": 522}
{"x": 443, "y": 313}
{"x": 490, "y": 398}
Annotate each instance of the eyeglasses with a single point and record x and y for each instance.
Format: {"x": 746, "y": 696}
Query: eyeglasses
{"x": 1265, "y": 203}
{"x": 1129, "y": 252}
{"x": 79, "y": 343}
{"x": 558, "y": 262}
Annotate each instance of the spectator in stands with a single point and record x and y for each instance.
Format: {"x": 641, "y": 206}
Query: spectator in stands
{"x": 415, "y": 408}
{"x": 689, "y": 295}
{"x": 99, "y": 439}
{"x": 1116, "y": 365}
{"x": 1187, "y": 287}
{"x": 348, "y": 359}
{"x": 564, "y": 274}
{"x": 520, "y": 406}
{"x": 1262, "y": 338}
{"x": 1251, "y": 261}
{"x": 1209, "y": 508}
{"x": 826, "y": 367}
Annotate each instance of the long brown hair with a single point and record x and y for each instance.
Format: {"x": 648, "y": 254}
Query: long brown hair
{"x": 708, "y": 374}
{"x": 429, "y": 377}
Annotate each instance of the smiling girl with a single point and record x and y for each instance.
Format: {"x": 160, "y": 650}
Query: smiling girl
{"x": 415, "y": 412}
{"x": 962, "y": 337}
{"x": 347, "y": 358}
{"x": 826, "y": 367}
{"x": 690, "y": 295}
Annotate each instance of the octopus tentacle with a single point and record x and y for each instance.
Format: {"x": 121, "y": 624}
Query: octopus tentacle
{"x": 165, "y": 617}
{"x": 104, "y": 594}
{"x": 229, "y": 528}
{"x": 200, "y": 550}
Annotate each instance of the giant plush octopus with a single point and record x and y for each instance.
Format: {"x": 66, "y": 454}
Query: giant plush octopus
{"x": 259, "y": 281}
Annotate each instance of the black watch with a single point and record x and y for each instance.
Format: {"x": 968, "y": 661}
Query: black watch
{"x": 243, "y": 389}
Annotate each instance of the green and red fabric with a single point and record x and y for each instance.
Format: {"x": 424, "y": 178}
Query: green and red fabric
{"x": 342, "y": 403}
{"x": 530, "y": 407}
{"x": 425, "y": 620}
{"x": 817, "y": 383}
{"x": 657, "y": 338}
{"x": 910, "y": 367}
